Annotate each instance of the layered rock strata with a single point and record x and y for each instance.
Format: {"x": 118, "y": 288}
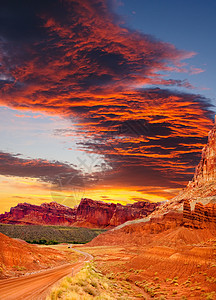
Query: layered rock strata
{"x": 202, "y": 216}
{"x": 89, "y": 213}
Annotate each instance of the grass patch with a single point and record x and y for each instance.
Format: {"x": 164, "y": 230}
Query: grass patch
{"x": 89, "y": 284}
{"x": 19, "y": 268}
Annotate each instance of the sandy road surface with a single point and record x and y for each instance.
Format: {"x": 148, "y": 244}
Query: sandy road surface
{"x": 36, "y": 286}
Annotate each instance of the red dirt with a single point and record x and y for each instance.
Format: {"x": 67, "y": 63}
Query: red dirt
{"x": 37, "y": 286}
{"x": 161, "y": 257}
{"x": 18, "y": 257}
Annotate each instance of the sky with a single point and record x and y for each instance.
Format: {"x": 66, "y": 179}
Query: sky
{"x": 109, "y": 100}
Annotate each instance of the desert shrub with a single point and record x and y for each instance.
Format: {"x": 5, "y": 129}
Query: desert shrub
{"x": 210, "y": 296}
{"x": 94, "y": 283}
{"x": 89, "y": 284}
{"x": 19, "y": 268}
{"x": 89, "y": 290}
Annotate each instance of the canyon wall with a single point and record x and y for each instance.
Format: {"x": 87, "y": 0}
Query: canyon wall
{"x": 203, "y": 216}
{"x": 45, "y": 214}
{"x": 89, "y": 213}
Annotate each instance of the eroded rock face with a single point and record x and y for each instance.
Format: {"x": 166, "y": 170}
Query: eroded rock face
{"x": 45, "y": 214}
{"x": 203, "y": 216}
{"x": 133, "y": 211}
{"x": 100, "y": 214}
{"x": 206, "y": 169}
{"x": 95, "y": 213}
{"x": 186, "y": 211}
{"x": 89, "y": 213}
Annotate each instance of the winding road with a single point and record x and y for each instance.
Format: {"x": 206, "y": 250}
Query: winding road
{"x": 37, "y": 286}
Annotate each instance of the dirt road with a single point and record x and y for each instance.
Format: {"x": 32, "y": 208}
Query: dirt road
{"x": 36, "y": 286}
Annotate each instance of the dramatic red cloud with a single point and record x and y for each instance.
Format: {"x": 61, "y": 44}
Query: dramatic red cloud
{"x": 80, "y": 63}
{"x": 83, "y": 56}
{"x": 155, "y": 129}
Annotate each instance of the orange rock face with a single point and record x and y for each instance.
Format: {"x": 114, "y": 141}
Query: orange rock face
{"x": 206, "y": 170}
{"x": 131, "y": 212}
{"x": 202, "y": 188}
{"x": 89, "y": 213}
{"x": 186, "y": 211}
{"x": 203, "y": 216}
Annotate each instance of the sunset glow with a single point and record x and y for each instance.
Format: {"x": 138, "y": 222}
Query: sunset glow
{"x": 92, "y": 107}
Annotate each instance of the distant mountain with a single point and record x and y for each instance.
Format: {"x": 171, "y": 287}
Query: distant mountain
{"x": 45, "y": 214}
{"x": 89, "y": 213}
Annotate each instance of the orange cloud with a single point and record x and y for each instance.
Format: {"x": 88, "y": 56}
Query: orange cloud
{"x": 80, "y": 63}
{"x": 82, "y": 56}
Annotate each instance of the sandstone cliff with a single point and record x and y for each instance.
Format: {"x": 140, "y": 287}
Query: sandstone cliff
{"x": 170, "y": 229}
{"x": 203, "y": 216}
{"x": 45, "y": 214}
{"x": 101, "y": 214}
{"x": 89, "y": 213}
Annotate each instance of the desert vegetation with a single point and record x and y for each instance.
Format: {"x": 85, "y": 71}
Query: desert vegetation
{"x": 50, "y": 235}
{"x": 90, "y": 283}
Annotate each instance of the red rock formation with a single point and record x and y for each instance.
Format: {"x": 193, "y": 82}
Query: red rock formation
{"x": 45, "y": 214}
{"x": 131, "y": 212}
{"x": 94, "y": 213}
{"x": 203, "y": 216}
{"x": 101, "y": 214}
{"x": 140, "y": 233}
{"x": 206, "y": 169}
{"x": 186, "y": 212}
{"x": 89, "y": 213}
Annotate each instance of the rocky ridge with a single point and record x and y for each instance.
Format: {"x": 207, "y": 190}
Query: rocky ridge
{"x": 201, "y": 217}
{"x": 45, "y": 214}
{"x": 89, "y": 213}
{"x": 172, "y": 226}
